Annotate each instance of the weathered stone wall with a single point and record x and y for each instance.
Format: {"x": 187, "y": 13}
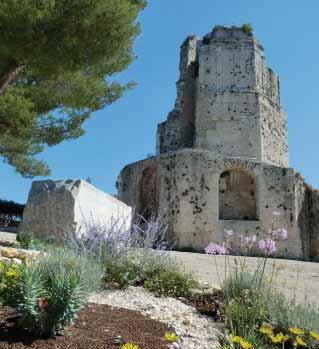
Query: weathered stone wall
{"x": 274, "y": 134}
{"x": 178, "y": 131}
{"x": 227, "y": 123}
{"x": 223, "y": 153}
{"x": 228, "y": 100}
{"x": 314, "y": 223}
{"x": 188, "y": 185}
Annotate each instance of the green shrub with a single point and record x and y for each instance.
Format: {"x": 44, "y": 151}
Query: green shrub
{"x": 50, "y": 292}
{"x": 171, "y": 282}
{"x": 284, "y": 314}
{"x": 134, "y": 266}
{"x": 121, "y": 271}
{"x": 247, "y": 28}
{"x": 29, "y": 242}
{"x": 154, "y": 270}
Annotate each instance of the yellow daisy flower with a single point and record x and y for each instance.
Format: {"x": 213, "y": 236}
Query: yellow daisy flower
{"x": 300, "y": 342}
{"x": 130, "y": 346}
{"x": 314, "y": 335}
{"x": 296, "y": 330}
{"x": 266, "y": 329}
{"x": 235, "y": 339}
{"x": 279, "y": 338}
{"x": 171, "y": 337}
{"x": 245, "y": 345}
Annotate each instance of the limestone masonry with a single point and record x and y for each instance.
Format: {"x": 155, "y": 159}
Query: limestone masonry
{"x": 71, "y": 206}
{"x": 222, "y": 153}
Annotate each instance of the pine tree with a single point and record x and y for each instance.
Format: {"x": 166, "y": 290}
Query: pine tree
{"x": 56, "y": 60}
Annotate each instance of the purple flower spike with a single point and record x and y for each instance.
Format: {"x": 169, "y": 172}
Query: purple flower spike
{"x": 215, "y": 249}
{"x": 267, "y": 246}
{"x": 280, "y": 234}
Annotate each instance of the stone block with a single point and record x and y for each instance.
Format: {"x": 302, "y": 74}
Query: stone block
{"x": 55, "y": 208}
{"x": 9, "y": 252}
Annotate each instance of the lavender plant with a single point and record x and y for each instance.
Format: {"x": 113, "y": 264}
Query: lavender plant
{"x": 131, "y": 255}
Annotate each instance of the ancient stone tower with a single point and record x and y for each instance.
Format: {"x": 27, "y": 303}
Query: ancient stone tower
{"x": 222, "y": 153}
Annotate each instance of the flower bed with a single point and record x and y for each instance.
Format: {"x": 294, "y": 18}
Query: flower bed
{"x": 97, "y": 327}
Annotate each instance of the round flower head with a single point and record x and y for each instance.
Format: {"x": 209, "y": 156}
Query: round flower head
{"x": 245, "y": 344}
{"x": 266, "y": 329}
{"x": 235, "y": 339}
{"x": 300, "y": 342}
{"x": 215, "y": 249}
{"x": 171, "y": 337}
{"x": 280, "y": 234}
{"x": 268, "y": 246}
{"x": 296, "y": 330}
{"x": 314, "y": 335}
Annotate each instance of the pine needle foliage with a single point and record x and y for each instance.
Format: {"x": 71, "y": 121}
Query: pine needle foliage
{"x": 58, "y": 60}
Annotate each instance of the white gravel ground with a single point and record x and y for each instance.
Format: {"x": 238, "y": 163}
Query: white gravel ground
{"x": 196, "y": 331}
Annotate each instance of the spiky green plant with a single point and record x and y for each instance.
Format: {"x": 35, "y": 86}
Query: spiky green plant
{"x": 50, "y": 293}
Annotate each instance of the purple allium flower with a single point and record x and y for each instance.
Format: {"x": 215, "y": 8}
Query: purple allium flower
{"x": 248, "y": 240}
{"x": 215, "y": 249}
{"x": 253, "y": 238}
{"x": 268, "y": 246}
{"x": 280, "y": 234}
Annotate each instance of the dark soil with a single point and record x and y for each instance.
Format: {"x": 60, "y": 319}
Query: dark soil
{"x": 97, "y": 327}
{"x": 210, "y": 304}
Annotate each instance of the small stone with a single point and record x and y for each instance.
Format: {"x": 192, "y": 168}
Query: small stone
{"x": 17, "y": 261}
{"x": 9, "y": 252}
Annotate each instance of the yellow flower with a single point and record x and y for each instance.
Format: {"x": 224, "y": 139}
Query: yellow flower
{"x": 171, "y": 337}
{"x": 11, "y": 273}
{"x": 245, "y": 345}
{"x": 266, "y": 329}
{"x": 296, "y": 330}
{"x": 279, "y": 338}
{"x": 314, "y": 335}
{"x": 130, "y": 346}
{"x": 300, "y": 342}
{"x": 235, "y": 339}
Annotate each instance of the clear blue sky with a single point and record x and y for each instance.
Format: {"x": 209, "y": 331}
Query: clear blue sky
{"x": 125, "y": 131}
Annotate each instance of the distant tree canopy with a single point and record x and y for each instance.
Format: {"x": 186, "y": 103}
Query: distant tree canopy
{"x": 55, "y": 60}
{"x": 10, "y": 213}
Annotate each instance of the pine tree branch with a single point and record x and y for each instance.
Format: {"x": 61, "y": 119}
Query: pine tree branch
{"x": 10, "y": 76}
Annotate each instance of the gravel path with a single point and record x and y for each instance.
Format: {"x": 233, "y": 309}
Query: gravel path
{"x": 294, "y": 278}
{"x": 196, "y": 331}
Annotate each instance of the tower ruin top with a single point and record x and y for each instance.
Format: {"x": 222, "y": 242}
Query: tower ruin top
{"x": 228, "y": 100}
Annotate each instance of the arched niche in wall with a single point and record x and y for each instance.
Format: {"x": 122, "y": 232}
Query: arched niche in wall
{"x": 237, "y": 195}
{"x": 147, "y": 205}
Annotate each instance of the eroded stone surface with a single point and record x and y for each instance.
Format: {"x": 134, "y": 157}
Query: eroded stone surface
{"x": 71, "y": 206}
{"x": 222, "y": 154}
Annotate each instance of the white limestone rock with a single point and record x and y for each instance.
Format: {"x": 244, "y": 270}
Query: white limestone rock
{"x": 71, "y": 206}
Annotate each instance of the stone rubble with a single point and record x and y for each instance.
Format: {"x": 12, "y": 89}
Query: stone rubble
{"x": 196, "y": 331}
{"x": 17, "y": 255}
